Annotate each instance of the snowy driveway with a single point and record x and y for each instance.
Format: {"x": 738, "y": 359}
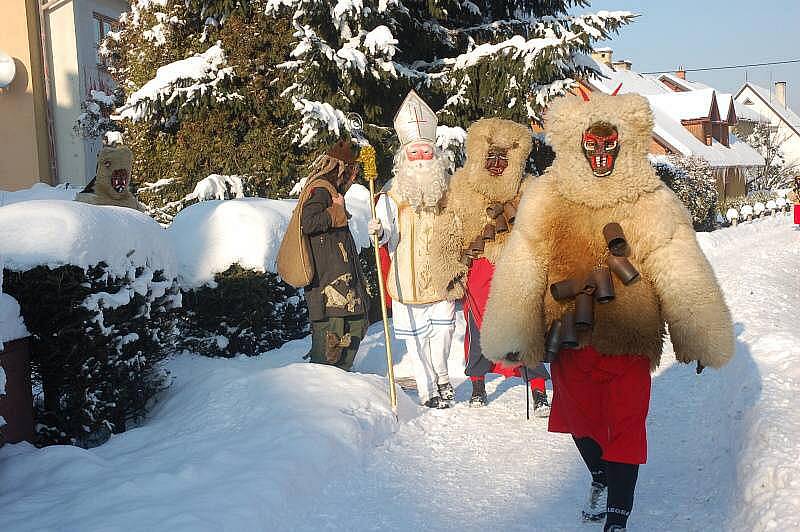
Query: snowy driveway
{"x": 264, "y": 444}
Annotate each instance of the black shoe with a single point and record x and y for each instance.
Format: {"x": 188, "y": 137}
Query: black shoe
{"x": 478, "y": 398}
{"x": 595, "y": 509}
{"x": 446, "y": 391}
{"x": 541, "y": 407}
{"x": 436, "y": 402}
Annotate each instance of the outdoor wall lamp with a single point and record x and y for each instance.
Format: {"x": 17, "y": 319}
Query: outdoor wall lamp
{"x": 7, "y": 70}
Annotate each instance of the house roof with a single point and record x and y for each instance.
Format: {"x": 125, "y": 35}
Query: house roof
{"x": 670, "y": 107}
{"x": 683, "y": 83}
{"x": 725, "y": 104}
{"x": 631, "y": 81}
{"x": 686, "y": 105}
{"x": 785, "y": 113}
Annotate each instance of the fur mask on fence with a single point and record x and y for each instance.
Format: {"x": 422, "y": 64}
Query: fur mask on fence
{"x": 421, "y": 175}
{"x": 601, "y": 175}
{"x": 497, "y": 151}
{"x": 111, "y": 184}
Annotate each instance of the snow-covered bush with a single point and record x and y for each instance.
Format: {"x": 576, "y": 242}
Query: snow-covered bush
{"x": 226, "y": 251}
{"x": 95, "y": 118}
{"x": 97, "y": 297}
{"x": 693, "y": 182}
{"x": 246, "y": 312}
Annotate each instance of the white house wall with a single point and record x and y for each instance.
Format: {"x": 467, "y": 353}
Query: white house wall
{"x": 87, "y": 60}
{"x": 72, "y": 59}
{"x": 65, "y": 92}
{"x": 791, "y": 146}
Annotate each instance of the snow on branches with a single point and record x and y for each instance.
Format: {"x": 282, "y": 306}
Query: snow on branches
{"x": 180, "y": 83}
{"x": 475, "y": 56}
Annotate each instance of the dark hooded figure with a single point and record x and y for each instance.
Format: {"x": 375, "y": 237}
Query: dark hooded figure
{"x": 337, "y": 297}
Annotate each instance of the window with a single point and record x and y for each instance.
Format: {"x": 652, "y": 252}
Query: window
{"x": 748, "y": 101}
{"x": 102, "y": 26}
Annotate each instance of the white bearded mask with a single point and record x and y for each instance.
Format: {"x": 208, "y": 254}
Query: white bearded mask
{"x": 420, "y": 170}
{"x": 421, "y": 180}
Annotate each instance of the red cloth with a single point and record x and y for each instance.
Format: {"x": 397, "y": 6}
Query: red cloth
{"x": 605, "y": 398}
{"x": 386, "y": 263}
{"x": 479, "y": 280}
{"x": 797, "y": 213}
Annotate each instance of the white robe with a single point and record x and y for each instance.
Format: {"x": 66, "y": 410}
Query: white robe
{"x": 427, "y": 329}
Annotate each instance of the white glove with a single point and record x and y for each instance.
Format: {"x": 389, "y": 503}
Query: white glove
{"x": 375, "y": 228}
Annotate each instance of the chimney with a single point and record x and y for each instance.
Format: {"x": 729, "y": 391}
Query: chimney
{"x": 622, "y": 64}
{"x": 780, "y": 92}
{"x": 603, "y": 55}
{"x": 680, "y": 73}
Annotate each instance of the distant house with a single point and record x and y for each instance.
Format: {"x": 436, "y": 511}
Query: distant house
{"x": 691, "y": 119}
{"x": 54, "y": 46}
{"x": 761, "y": 105}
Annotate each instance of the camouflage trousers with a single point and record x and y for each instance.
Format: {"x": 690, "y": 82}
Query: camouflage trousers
{"x": 335, "y": 341}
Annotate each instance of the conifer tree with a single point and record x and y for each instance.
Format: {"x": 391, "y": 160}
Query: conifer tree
{"x": 256, "y": 87}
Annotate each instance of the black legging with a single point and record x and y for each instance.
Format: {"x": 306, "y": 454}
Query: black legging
{"x": 620, "y": 479}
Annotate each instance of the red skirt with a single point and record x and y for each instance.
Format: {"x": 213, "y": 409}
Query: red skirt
{"x": 479, "y": 280}
{"x": 797, "y": 213}
{"x": 605, "y": 398}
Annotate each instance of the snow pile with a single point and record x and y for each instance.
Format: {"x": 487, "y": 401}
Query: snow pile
{"x": 39, "y": 191}
{"x": 186, "y": 79}
{"x": 12, "y": 326}
{"x": 762, "y": 291}
{"x": 55, "y": 233}
{"x": 219, "y": 187}
{"x": 237, "y": 444}
{"x": 211, "y": 236}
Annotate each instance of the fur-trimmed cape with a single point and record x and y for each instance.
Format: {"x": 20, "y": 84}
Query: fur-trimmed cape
{"x": 472, "y": 188}
{"x": 558, "y": 235}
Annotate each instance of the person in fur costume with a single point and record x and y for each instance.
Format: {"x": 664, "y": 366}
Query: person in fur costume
{"x": 601, "y": 371}
{"x": 472, "y": 230}
{"x": 111, "y": 184}
{"x": 406, "y": 213}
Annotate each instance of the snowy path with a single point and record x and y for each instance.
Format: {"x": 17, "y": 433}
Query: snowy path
{"x": 264, "y": 444}
{"x": 482, "y": 469}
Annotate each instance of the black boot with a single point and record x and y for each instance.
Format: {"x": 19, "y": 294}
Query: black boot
{"x": 478, "y": 398}
{"x": 446, "y": 391}
{"x": 541, "y": 407}
{"x": 436, "y": 402}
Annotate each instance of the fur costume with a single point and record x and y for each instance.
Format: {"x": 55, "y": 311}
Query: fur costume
{"x": 472, "y": 189}
{"x": 558, "y": 235}
{"x": 111, "y": 184}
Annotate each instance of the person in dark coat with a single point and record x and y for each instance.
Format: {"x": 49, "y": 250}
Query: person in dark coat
{"x": 337, "y": 297}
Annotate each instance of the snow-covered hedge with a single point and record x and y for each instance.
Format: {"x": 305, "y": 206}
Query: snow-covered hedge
{"x": 693, "y": 182}
{"x": 233, "y": 300}
{"x": 96, "y": 286}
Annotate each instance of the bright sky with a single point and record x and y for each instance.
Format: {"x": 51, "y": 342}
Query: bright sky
{"x": 710, "y": 33}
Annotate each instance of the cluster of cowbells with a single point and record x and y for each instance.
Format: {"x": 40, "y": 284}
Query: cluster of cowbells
{"x": 597, "y": 287}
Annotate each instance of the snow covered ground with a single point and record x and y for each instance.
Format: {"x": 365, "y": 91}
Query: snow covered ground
{"x": 271, "y": 443}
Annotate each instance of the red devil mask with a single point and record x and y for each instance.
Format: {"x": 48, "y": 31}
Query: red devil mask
{"x": 496, "y": 161}
{"x": 600, "y": 145}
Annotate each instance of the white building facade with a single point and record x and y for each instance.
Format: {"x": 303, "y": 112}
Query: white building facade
{"x": 771, "y": 107}
{"x": 73, "y": 30}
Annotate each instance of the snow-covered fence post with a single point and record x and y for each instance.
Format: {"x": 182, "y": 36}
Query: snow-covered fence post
{"x": 747, "y": 213}
{"x": 733, "y": 216}
{"x": 771, "y": 207}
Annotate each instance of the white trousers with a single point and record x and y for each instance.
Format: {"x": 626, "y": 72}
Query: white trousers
{"x": 430, "y": 354}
